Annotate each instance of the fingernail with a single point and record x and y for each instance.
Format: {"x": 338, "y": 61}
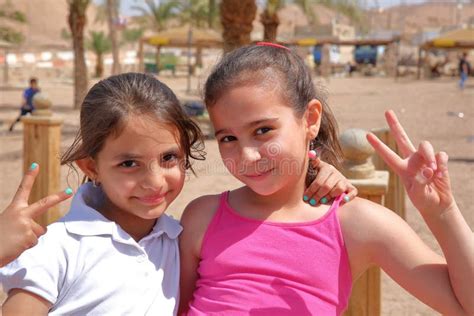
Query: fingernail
{"x": 426, "y": 173}
{"x": 33, "y": 166}
{"x": 312, "y": 202}
{"x": 68, "y": 191}
{"x": 346, "y": 198}
{"x": 433, "y": 166}
{"x": 324, "y": 200}
{"x": 305, "y": 198}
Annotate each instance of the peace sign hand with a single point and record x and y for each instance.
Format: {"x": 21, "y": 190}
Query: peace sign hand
{"x": 18, "y": 230}
{"x": 424, "y": 173}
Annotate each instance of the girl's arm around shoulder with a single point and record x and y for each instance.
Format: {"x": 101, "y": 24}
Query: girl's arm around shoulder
{"x": 21, "y": 302}
{"x": 376, "y": 236}
{"x": 195, "y": 220}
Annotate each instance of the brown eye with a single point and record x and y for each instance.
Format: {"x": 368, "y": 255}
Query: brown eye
{"x": 170, "y": 157}
{"x": 227, "y": 139}
{"x": 128, "y": 164}
{"x": 263, "y": 130}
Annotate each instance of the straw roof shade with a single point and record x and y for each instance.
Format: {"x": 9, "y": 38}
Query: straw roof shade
{"x": 457, "y": 39}
{"x": 179, "y": 37}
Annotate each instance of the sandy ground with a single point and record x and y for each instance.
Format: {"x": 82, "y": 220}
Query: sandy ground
{"x": 428, "y": 109}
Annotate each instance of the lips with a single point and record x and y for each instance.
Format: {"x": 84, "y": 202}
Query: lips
{"x": 152, "y": 199}
{"x": 258, "y": 175}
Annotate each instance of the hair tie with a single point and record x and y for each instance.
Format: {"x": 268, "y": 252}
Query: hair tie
{"x": 272, "y": 45}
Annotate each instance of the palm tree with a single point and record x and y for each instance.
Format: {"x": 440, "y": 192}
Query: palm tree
{"x": 270, "y": 21}
{"x": 212, "y": 13}
{"x": 237, "y": 17}
{"x": 194, "y": 12}
{"x": 112, "y": 20}
{"x": 269, "y": 16}
{"x": 99, "y": 43}
{"x": 77, "y": 22}
{"x": 155, "y": 14}
{"x": 9, "y": 14}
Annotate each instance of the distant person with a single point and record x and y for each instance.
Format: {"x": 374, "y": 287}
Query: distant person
{"x": 464, "y": 69}
{"x": 27, "y": 104}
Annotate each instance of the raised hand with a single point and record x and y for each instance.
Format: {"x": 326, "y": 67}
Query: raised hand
{"x": 424, "y": 173}
{"x": 18, "y": 229}
{"x": 328, "y": 184}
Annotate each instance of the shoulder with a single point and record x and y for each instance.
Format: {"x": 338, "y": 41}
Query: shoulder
{"x": 369, "y": 229}
{"x": 195, "y": 220}
{"x": 367, "y": 219}
{"x": 42, "y": 268}
{"x": 199, "y": 210}
{"x": 198, "y": 213}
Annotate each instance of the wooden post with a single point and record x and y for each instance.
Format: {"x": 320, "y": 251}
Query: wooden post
{"x": 325, "y": 61}
{"x": 391, "y": 60}
{"x": 395, "y": 197}
{"x": 141, "y": 56}
{"x": 372, "y": 185}
{"x": 41, "y": 143}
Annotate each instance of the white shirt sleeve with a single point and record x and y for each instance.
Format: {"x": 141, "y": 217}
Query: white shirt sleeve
{"x": 39, "y": 270}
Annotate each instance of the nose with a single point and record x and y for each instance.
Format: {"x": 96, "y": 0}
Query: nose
{"x": 153, "y": 177}
{"x": 250, "y": 155}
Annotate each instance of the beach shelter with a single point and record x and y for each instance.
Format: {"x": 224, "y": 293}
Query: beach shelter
{"x": 459, "y": 39}
{"x": 184, "y": 36}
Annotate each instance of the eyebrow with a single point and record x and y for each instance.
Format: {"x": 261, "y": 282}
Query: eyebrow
{"x": 131, "y": 156}
{"x": 126, "y": 156}
{"x": 251, "y": 124}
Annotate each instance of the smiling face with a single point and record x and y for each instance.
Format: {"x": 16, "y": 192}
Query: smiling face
{"x": 141, "y": 170}
{"x": 261, "y": 140}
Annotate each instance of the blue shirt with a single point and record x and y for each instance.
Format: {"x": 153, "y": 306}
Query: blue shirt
{"x": 28, "y": 94}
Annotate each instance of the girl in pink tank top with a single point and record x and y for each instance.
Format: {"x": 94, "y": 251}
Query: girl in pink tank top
{"x": 261, "y": 250}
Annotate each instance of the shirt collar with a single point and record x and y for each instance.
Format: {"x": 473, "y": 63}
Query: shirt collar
{"x": 83, "y": 218}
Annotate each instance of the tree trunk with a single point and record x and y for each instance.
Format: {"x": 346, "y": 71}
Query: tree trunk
{"x": 212, "y": 13}
{"x": 270, "y": 25}
{"x": 77, "y": 22}
{"x": 157, "y": 58}
{"x": 237, "y": 17}
{"x": 112, "y": 19}
{"x": 198, "y": 62}
{"x": 99, "y": 66}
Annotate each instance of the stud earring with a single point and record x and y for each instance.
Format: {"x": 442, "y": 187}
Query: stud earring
{"x": 95, "y": 183}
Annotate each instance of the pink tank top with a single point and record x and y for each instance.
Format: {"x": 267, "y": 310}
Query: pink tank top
{"x": 252, "y": 267}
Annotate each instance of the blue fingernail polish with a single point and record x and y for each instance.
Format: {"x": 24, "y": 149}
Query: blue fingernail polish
{"x": 305, "y": 198}
{"x": 33, "y": 166}
{"x": 68, "y": 191}
{"x": 312, "y": 202}
{"x": 324, "y": 200}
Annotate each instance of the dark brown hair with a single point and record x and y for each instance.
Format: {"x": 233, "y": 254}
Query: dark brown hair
{"x": 111, "y": 101}
{"x": 273, "y": 65}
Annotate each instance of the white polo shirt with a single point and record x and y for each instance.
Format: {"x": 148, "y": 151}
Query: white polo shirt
{"x": 86, "y": 264}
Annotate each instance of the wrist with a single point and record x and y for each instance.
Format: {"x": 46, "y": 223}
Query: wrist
{"x": 441, "y": 215}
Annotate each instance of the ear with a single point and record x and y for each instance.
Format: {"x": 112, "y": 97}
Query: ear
{"x": 88, "y": 166}
{"x": 313, "y": 118}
